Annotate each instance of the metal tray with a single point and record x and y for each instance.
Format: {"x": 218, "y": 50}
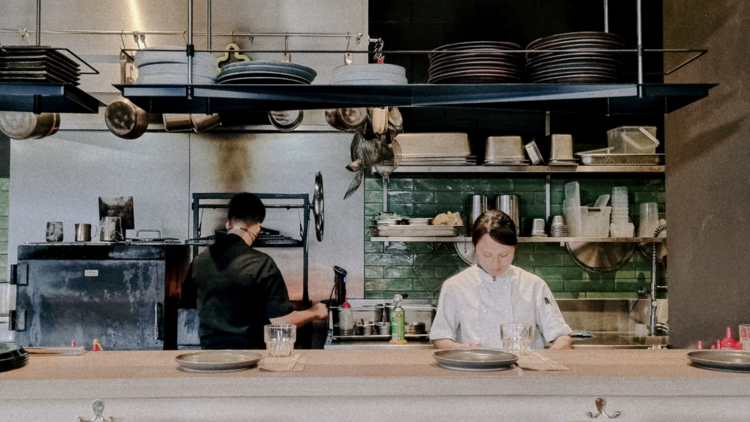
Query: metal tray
{"x": 621, "y": 159}
{"x": 381, "y": 337}
{"x": 218, "y": 361}
{"x": 416, "y": 231}
{"x": 721, "y": 360}
{"x": 475, "y": 360}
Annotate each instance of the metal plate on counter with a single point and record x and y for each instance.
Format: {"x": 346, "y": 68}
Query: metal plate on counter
{"x": 721, "y": 360}
{"x": 381, "y": 337}
{"x": 475, "y": 359}
{"x": 218, "y": 361}
{"x": 416, "y": 231}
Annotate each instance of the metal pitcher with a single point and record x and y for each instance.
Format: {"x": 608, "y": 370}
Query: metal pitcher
{"x": 111, "y": 229}
{"x": 509, "y": 205}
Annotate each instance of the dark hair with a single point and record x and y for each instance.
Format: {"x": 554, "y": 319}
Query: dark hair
{"x": 498, "y": 225}
{"x": 246, "y": 207}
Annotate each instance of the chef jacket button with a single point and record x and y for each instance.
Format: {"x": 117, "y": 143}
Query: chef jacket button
{"x": 485, "y": 311}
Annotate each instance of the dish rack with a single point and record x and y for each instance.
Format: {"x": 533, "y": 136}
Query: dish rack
{"x": 602, "y": 157}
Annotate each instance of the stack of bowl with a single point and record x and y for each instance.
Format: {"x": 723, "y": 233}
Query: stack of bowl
{"x": 170, "y": 67}
{"x": 558, "y": 227}
{"x": 369, "y": 74}
{"x": 414, "y": 328}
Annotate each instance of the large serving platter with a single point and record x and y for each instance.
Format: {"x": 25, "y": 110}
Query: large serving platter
{"x": 218, "y": 361}
{"x": 475, "y": 360}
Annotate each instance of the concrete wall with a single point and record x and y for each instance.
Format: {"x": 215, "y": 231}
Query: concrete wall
{"x": 707, "y": 181}
{"x": 59, "y": 178}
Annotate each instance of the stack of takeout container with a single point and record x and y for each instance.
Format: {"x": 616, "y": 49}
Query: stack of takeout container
{"x": 435, "y": 149}
{"x": 620, "y": 226}
{"x": 584, "y": 221}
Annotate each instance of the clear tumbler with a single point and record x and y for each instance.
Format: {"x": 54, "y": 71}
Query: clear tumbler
{"x": 280, "y": 339}
{"x": 516, "y": 338}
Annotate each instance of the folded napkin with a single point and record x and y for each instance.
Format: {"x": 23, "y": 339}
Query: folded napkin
{"x": 291, "y": 363}
{"x": 536, "y": 362}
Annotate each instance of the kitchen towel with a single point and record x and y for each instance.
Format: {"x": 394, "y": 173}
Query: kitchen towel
{"x": 293, "y": 363}
{"x": 536, "y": 362}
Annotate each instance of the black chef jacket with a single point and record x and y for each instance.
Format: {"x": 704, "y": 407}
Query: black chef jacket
{"x": 237, "y": 290}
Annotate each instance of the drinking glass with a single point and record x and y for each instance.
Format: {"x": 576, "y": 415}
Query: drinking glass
{"x": 745, "y": 337}
{"x": 280, "y": 339}
{"x": 516, "y": 338}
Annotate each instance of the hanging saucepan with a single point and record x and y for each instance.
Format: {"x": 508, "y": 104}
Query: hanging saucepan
{"x": 346, "y": 119}
{"x": 125, "y": 119}
{"x": 25, "y": 125}
{"x": 177, "y": 123}
{"x": 204, "y": 122}
{"x": 286, "y": 120}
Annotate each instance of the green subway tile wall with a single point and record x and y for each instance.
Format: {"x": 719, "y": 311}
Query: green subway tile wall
{"x": 420, "y": 268}
{"x": 4, "y": 188}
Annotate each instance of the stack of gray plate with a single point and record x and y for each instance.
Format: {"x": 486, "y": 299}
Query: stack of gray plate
{"x": 170, "y": 67}
{"x": 266, "y": 73}
{"x": 369, "y": 74}
{"x": 12, "y": 357}
{"x": 37, "y": 65}
{"x": 583, "y": 58}
{"x": 476, "y": 62}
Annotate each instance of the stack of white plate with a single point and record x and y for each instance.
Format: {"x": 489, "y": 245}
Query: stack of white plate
{"x": 170, "y": 67}
{"x": 369, "y": 74}
{"x": 262, "y": 72}
{"x": 435, "y": 149}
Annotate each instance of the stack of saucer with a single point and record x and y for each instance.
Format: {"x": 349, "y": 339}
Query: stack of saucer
{"x": 558, "y": 227}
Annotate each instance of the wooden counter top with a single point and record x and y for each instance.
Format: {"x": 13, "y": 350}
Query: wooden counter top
{"x": 365, "y": 373}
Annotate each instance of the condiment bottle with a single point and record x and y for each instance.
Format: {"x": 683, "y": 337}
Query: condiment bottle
{"x": 728, "y": 342}
{"x": 700, "y": 345}
{"x": 398, "y": 335}
{"x": 346, "y": 320}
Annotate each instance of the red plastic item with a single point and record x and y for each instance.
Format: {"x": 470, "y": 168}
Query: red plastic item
{"x": 73, "y": 343}
{"x": 728, "y": 342}
{"x": 713, "y": 347}
{"x": 738, "y": 345}
{"x": 381, "y": 60}
{"x": 700, "y": 345}
{"x": 346, "y": 303}
{"x": 97, "y": 347}
{"x": 718, "y": 344}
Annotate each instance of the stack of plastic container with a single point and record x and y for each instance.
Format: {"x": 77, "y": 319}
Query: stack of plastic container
{"x": 620, "y": 226}
{"x": 572, "y": 209}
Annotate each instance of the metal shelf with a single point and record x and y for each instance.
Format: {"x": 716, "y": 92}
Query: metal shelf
{"x": 526, "y": 239}
{"x": 600, "y": 98}
{"x": 529, "y": 169}
{"x": 46, "y": 98}
{"x": 260, "y": 243}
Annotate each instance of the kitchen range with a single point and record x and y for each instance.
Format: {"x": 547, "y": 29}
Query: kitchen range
{"x": 498, "y": 184}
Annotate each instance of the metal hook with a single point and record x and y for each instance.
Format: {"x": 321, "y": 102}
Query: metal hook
{"x": 287, "y": 54}
{"x": 25, "y": 35}
{"x": 348, "y": 59}
{"x": 143, "y": 38}
{"x": 98, "y": 407}
{"x": 251, "y": 37}
{"x": 184, "y": 37}
{"x": 136, "y": 38}
{"x": 122, "y": 39}
{"x": 600, "y": 403}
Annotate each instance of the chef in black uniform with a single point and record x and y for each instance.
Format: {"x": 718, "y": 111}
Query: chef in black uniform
{"x": 238, "y": 289}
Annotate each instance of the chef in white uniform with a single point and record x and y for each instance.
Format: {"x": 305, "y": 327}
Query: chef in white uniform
{"x": 474, "y": 303}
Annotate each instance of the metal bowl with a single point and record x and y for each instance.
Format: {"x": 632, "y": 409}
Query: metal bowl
{"x": 387, "y": 222}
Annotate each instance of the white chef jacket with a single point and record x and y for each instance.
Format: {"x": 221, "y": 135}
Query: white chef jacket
{"x": 473, "y": 305}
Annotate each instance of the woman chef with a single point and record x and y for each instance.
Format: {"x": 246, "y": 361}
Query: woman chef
{"x": 474, "y": 303}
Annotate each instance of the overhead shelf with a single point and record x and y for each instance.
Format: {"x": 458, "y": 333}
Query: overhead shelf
{"x": 529, "y": 169}
{"x": 599, "y": 98}
{"x": 46, "y": 98}
{"x": 525, "y": 239}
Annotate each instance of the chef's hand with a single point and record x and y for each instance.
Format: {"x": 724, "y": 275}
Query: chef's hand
{"x": 562, "y": 342}
{"x": 320, "y": 311}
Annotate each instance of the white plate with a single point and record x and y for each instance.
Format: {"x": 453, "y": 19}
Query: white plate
{"x": 218, "y": 360}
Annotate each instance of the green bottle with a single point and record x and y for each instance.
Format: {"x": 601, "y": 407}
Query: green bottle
{"x": 397, "y": 322}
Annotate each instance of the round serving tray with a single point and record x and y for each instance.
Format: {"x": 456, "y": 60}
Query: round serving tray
{"x": 218, "y": 361}
{"x": 721, "y": 360}
{"x": 475, "y": 359}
